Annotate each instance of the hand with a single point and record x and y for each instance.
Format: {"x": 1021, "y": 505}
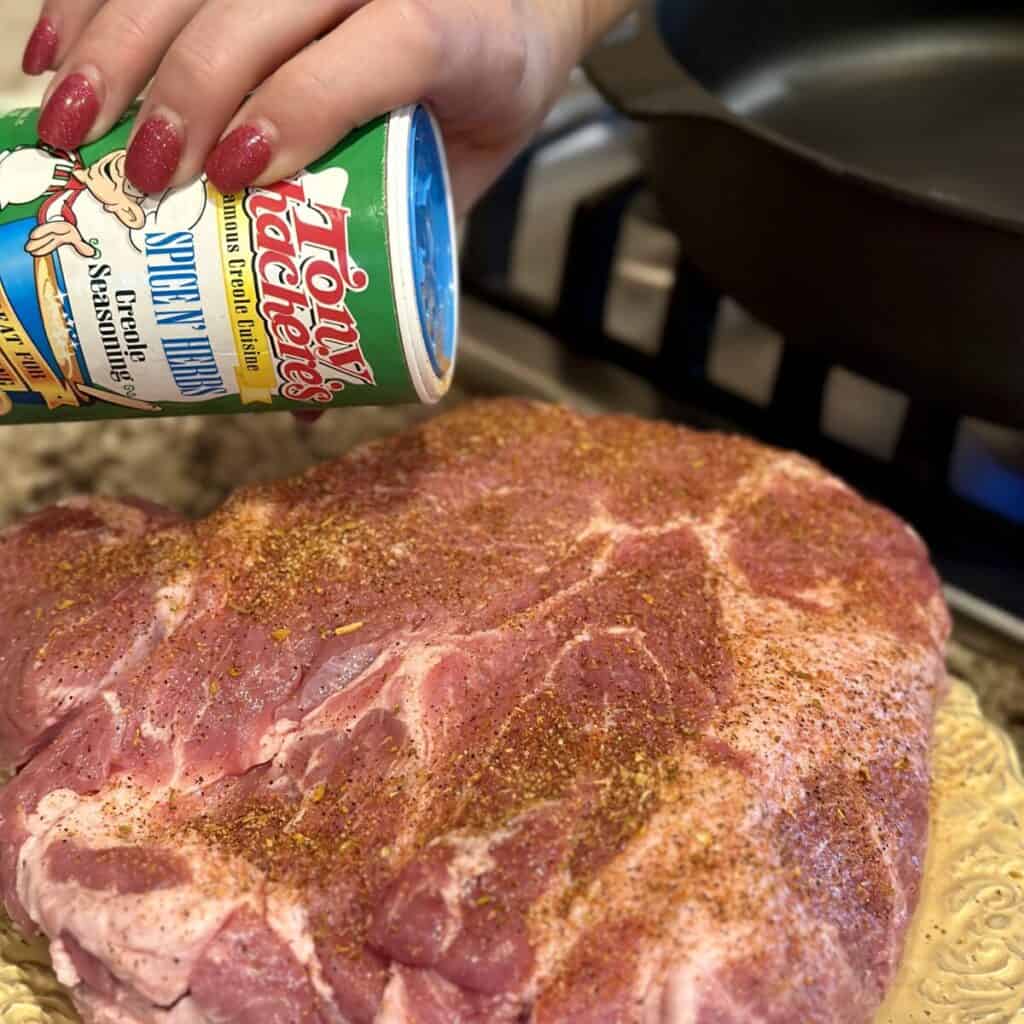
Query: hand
{"x": 48, "y": 238}
{"x": 256, "y": 90}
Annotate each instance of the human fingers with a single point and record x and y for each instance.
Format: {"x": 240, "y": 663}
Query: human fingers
{"x": 344, "y": 80}
{"x": 224, "y": 52}
{"x": 60, "y": 23}
{"x": 107, "y": 67}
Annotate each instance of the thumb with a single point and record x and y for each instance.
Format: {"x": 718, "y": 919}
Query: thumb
{"x": 82, "y": 247}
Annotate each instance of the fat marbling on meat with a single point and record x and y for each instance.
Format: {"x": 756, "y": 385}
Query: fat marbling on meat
{"x": 519, "y": 716}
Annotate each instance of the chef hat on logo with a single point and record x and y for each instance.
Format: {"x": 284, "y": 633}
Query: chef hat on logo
{"x": 29, "y": 173}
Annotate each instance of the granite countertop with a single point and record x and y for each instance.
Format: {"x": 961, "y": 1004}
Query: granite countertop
{"x": 189, "y": 463}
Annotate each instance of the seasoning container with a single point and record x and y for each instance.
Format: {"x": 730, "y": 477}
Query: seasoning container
{"x": 335, "y": 287}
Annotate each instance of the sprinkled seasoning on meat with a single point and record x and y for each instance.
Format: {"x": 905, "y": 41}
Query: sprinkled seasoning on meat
{"x": 520, "y": 716}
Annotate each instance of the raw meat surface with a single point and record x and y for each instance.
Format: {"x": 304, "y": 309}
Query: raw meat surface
{"x": 517, "y": 717}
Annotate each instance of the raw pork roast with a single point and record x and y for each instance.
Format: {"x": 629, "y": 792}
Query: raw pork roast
{"x": 517, "y": 717}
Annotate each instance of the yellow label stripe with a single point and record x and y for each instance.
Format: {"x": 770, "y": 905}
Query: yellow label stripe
{"x": 257, "y": 379}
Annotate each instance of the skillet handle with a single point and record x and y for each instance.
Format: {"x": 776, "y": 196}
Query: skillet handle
{"x": 634, "y": 70}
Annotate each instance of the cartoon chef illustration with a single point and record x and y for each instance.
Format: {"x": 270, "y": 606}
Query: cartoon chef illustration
{"x": 77, "y": 199}
{"x": 85, "y": 213}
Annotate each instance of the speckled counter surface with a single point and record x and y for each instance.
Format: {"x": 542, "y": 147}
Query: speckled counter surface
{"x": 190, "y": 464}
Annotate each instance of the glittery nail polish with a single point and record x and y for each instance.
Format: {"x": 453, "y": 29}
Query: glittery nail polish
{"x": 40, "y": 49}
{"x": 70, "y": 113}
{"x": 239, "y": 159}
{"x": 153, "y": 155}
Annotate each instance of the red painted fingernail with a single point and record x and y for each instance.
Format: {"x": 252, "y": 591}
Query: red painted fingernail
{"x": 307, "y": 415}
{"x": 40, "y": 49}
{"x": 239, "y": 159}
{"x": 153, "y": 155}
{"x": 70, "y": 113}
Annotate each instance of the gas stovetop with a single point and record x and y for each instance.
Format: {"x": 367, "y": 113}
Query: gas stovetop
{"x": 569, "y": 249}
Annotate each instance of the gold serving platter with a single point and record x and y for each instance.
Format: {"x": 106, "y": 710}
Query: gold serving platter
{"x": 964, "y": 962}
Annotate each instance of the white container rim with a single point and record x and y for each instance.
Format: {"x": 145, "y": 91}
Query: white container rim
{"x": 430, "y": 387}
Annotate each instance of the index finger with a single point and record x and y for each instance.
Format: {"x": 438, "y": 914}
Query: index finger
{"x": 344, "y": 80}
{"x": 60, "y": 24}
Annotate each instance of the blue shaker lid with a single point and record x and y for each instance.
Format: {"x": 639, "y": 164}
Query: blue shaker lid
{"x": 432, "y": 234}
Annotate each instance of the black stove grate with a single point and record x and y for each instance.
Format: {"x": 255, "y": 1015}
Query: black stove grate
{"x": 977, "y": 542}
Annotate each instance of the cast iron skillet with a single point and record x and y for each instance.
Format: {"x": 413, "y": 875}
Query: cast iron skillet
{"x": 852, "y": 171}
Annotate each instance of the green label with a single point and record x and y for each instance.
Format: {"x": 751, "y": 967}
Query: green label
{"x": 113, "y": 303}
